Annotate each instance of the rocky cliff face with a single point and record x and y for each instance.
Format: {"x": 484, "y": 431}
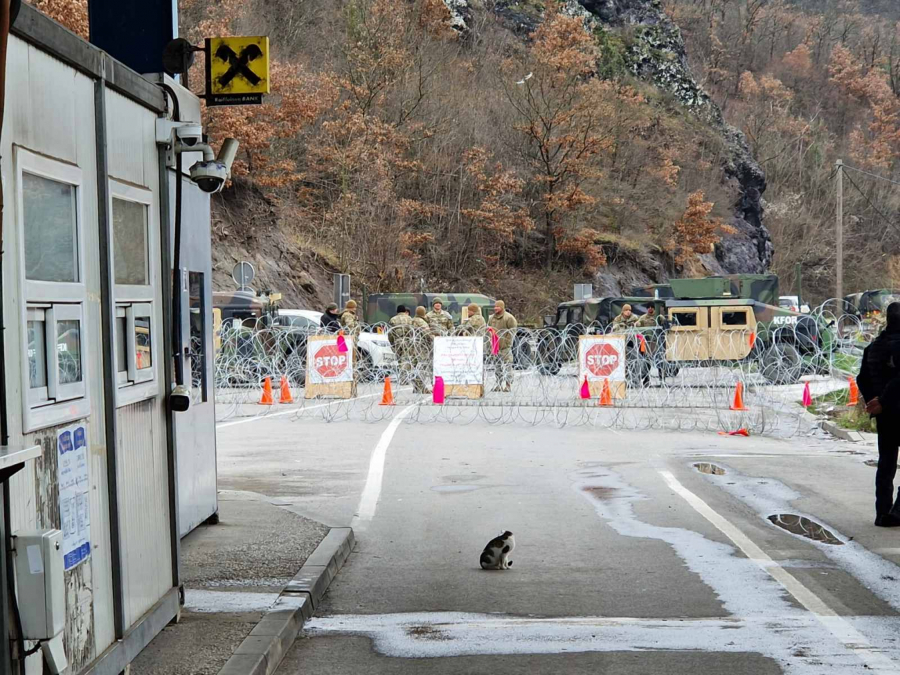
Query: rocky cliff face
{"x": 656, "y": 53}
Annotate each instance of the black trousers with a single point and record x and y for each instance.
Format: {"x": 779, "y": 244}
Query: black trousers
{"x": 888, "y": 444}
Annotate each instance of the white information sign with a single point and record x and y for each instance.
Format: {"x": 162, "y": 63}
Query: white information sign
{"x": 601, "y": 357}
{"x": 74, "y": 495}
{"x": 459, "y": 360}
{"x": 327, "y": 364}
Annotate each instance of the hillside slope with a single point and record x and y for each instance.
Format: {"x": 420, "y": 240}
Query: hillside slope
{"x": 430, "y": 161}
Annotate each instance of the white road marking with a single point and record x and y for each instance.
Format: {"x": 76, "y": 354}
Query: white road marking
{"x": 368, "y": 502}
{"x": 222, "y": 425}
{"x": 841, "y": 629}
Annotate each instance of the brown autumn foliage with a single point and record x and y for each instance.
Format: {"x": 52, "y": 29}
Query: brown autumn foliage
{"x": 810, "y": 82}
{"x": 695, "y": 231}
{"x": 73, "y": 14}
{"x": 412, "y": 157}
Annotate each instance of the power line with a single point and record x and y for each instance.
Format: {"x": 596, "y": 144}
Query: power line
{"x": 873, "y": 175}
{"x": 866, "y": 197}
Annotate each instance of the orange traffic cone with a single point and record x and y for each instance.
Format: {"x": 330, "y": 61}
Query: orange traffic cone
{"x": 267, "y": 393}
{"x": 387, "y": 398}
{"x": 738, "y": 403}
{"x": 285, "y": 391}
{"x": 854, "y": 392}
{"x": 605, "y": 394}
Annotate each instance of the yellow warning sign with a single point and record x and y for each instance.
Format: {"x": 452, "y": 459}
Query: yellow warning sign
{"x": 237, "y": 70}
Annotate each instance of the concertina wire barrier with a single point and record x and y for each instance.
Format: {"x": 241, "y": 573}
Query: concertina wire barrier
{"x": 692, "y": 394}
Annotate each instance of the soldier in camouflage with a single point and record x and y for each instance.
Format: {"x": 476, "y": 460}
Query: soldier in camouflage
{"x": 878, "y": 321}
{"x": 421, "y": 344}
{"x": 349, "y": 321}
{"x": 474, "y": 323}
{"x": 441, "y": 322}
{"x": 504, "y": 325}
{"x": 648, "y": 320}
{"x": 625, "y": 320}
{"x": 400, "y": 337}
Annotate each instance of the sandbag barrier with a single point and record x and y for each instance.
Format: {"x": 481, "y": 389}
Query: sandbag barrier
{"x": 673, "y": 380}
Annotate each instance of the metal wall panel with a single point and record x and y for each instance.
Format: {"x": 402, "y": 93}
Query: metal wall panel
{"x": 127, "y": 141}
{"x": 144, "y": 507}
{"x": 195, "y": 430}
{"x": 142, "y": 460}
{"x": 54, "y": 116}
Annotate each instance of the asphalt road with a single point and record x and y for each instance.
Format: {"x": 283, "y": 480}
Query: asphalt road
{"x": 628, "y": 558}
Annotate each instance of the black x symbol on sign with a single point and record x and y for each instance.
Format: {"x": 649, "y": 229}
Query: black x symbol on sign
{"x": 239, "y": 64}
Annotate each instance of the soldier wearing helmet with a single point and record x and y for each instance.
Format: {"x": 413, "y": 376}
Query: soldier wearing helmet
{"x": 504, "y": 325}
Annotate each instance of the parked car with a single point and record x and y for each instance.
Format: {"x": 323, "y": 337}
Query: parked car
{"x": 793, "y": 303}
{"x": 376, "y": 357}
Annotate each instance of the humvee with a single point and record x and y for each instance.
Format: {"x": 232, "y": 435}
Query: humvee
{"x": 704, "y": 324}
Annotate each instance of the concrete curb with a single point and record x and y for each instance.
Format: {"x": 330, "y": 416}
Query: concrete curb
{"x": 261, "y": 652}
{"x": 843, "y": 434}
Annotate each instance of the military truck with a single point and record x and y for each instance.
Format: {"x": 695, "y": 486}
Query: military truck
{"x": 703, "y": 325}
{"x": 869, "y": 303}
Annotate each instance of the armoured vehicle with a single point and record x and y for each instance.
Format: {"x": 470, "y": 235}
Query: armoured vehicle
{"x": 761, "y": 287}
{"x": 870, "y": 303}
{"x": 705, "y": 324}
{"x": 381, "y": 307}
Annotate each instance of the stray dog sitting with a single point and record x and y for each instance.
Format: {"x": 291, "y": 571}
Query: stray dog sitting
{"x": 495, "y": 555}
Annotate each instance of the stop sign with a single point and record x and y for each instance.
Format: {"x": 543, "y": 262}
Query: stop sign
{"x": 329, "y": 362}
{"x": 602, "y": 359}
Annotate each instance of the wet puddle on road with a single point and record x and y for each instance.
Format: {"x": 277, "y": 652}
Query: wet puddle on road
{"x": 709, "y": 469}
{"x": 445, "y": 489}
{"x": 601, "y": 492}
{"x": 805, "y": 527}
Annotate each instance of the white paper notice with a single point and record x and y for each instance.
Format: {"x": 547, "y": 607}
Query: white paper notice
{"x": 74, "y": 495}
{"x": 459, "y": 360}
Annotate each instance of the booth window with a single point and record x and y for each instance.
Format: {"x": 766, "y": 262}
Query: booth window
{"x": 133, "y": 253}
{"x": 131, "y": 249}
{"x": 52, "y": 263}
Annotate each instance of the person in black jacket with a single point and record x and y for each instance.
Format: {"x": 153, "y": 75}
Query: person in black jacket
{"x": 879, "y": 384}
{"x": 331, "y": 320}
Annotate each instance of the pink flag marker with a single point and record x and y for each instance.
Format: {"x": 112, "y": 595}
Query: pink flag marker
{"x": 585, "y": 389}
{"x": 438, "y": 392}
{"x": 807, "y": 398}
{"x": 495, "y": 342}
{"x": 342, "y": 344}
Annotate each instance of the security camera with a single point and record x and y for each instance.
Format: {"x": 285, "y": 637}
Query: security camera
{"x": 210, "y": 174}
{"x": 180, "y": 398}
{"x": 189, "y": 134}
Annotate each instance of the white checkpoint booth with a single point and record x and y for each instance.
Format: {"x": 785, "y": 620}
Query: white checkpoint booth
{"x": 602, "y": 357}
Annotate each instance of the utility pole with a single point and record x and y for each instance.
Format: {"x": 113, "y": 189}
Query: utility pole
{"x": 839, "y": 233}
